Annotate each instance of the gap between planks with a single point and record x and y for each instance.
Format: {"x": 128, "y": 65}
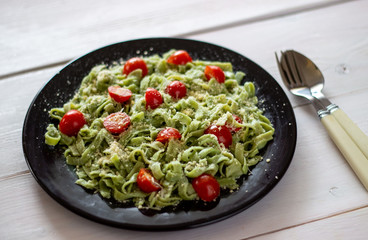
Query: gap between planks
{"x": 265, "y": 17}
{"x": 305, "y": 223}
{"x": 34, "y": 69}
{"x": 14, "y": 175}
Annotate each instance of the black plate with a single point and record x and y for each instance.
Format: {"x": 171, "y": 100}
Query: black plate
{"x": 57, "y": 179}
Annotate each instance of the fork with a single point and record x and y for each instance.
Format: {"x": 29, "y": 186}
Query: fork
{"x": 291, "y": 72}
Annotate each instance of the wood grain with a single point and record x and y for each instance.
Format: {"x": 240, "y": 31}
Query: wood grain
{"x": 44, "y": 32}
{"x": 318, "y": 197}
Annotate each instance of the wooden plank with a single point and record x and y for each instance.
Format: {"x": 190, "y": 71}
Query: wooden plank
{"x": 335, "y": 227}
{"x": 319, "y": 183}
{"x": 44, "y": 32}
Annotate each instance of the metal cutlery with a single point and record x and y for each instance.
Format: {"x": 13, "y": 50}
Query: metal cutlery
{"x": 303, "y": 78}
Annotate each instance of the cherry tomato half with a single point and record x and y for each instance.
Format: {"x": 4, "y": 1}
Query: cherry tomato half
{"x": 153, "y": 98}
{"x": 146, "y": 182}
{"x": 179, "y": 57}
{"x": 207, "y": 187}
{"x": 176, "y": 89}
{"x": 72, "y": 122}
{"x": 117, "y": 123}
{"x": 214, "y": 72}
{"x": 222, "y": 133}
{"x": 232, "y": 128}
{"x": 119, "y": 94}
{"x": 168, "y": 133}
{"x": 133, "y": 64}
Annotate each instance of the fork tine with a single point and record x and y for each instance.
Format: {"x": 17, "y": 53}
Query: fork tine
{"x": 283, "y": 77}
{"x": 298, "y": 64}
{"x": 296, "y": 75}
{"x": 282, "y": 72}
{"x": 285, "y": 66}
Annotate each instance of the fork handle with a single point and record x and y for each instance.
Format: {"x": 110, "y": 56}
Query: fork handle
{"x": 356, "y": 159}
{"x": 358, "y": 136}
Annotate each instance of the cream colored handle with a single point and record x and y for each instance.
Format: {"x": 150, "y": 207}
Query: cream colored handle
{"x": 358, "y": 136}
{"x": 356, "y": 159}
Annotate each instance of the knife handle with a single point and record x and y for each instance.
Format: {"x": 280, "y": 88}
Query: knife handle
{"x": 353, "y": 155}
{"x": 356, "y": 134}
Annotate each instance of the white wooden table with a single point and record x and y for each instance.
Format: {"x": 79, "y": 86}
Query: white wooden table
{"x": 318, "y": 198}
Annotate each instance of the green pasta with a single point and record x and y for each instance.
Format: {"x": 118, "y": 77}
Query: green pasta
{"x": 109, "y": 164}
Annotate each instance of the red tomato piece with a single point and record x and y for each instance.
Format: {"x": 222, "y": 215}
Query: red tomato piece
{"x": 72, "y": 122}
{"x": 232, "y": 128}
{"x": 176, "y": 89}
{"x": 119, "y": 94}
{"x": 207, "y": 187}
{"x": 153, "y": 98}
{"x": 133, "y": 64}
{"x": 222, "y": 133}
{"x": 179, "y": 57}
{"x": 117, "y": 123}
{"x": 146, "y": 182}
{"x": 168, "y": 133}
{"x": 214, "y": 72}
